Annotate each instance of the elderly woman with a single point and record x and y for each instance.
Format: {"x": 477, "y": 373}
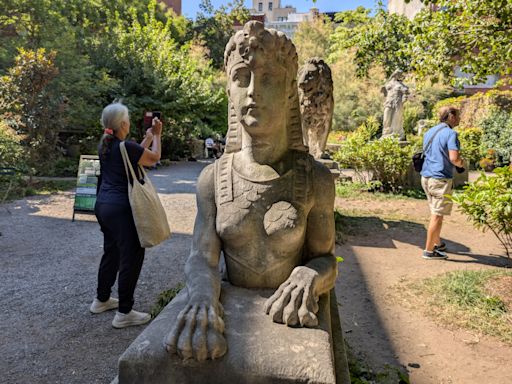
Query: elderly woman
{"x": 266, "y": 204}
{"x": 122, "y": 250}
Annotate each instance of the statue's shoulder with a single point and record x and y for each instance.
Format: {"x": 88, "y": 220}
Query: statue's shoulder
{"x": 320, "y": 171}
{"x": 323, "y": 182}
{"x": 206, "y": 181}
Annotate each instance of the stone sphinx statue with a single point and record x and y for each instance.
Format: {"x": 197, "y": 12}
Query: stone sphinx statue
{"x": 266, "y": 204}
{"x": 316, "y": 104}
{"x": 396, "y": 93}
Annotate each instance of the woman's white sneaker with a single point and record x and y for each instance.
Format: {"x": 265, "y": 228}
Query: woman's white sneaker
{"x": 99, "y": 306}
{"x": 123, "y": 320}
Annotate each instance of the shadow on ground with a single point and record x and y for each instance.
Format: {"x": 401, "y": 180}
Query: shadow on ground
{"x": 372, "y": 230}
{"x": 362, "y": 321}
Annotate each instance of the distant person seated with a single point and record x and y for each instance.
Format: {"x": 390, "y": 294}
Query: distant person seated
{"x": 209, "y": 143}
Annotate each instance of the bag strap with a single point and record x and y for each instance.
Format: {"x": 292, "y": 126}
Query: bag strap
{"x": 126, "y": 161}
{"x": 432, "y": 138}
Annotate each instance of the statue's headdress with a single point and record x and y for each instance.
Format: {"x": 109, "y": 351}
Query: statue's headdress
{"x": 256, "y": 45}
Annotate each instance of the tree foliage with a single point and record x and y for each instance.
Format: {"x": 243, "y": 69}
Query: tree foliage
{"x": 214, "y": 27}
{"x": 101, "y": 50}
{"x": 312, "y": 38}
{"x": 377, "y": 40}
{"x": 497, "y": 135}
{"x": 473, "y": 35}
{"x": 29, "y": 98}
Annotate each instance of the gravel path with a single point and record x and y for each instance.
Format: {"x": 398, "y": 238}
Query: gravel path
{"x": 48, "y": 280}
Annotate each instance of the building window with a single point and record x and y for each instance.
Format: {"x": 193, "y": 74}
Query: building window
{"x": 260, "y": 7}
{"x": 270, "y": 6}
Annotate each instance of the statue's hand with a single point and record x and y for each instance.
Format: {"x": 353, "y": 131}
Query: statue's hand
{"x": 295, "y": 302}
{"x": 198, "y": 332}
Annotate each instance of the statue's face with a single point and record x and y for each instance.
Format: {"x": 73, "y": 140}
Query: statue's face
{"x": 259, "y": 97}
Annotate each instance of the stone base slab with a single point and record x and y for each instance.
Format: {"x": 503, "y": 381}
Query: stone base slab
{"x": 259, "y": 350}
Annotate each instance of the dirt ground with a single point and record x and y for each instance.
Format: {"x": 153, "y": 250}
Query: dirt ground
{"x": 48, "y": 278}
{"x": 383, "y": 255}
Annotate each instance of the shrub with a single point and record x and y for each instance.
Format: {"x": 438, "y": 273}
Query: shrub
{"x": 28, "y": 93}
{"x": 384, "y": 160}
{"x": 488, "y": 203}
{"x": 478, "y": 107}
{"x": 354, "y": 142}
{"x": 497, "y": 135}
{"x": 488, "y": 163}
{"x": 63, "y": 167}
{"x": 11, "y": 151}
{"x": 470, "y": 144}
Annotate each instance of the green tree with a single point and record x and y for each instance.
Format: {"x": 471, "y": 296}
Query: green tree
{"x": 473, "y": 35}
{"x": 379, "y": 40}
{"x": 156, "y": 73}
{"x": 28, "y": 97}
{"x": 312, "y": 38}
{"x": 215, "y": 26}
{"x": 356, "y": 99}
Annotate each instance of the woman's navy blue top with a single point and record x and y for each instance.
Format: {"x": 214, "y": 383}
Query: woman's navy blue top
{"x": 114, "y": 183}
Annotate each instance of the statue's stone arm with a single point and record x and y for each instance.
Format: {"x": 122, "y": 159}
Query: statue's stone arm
{"x": 198, "y": 331}
{"x": 296, "y": 301}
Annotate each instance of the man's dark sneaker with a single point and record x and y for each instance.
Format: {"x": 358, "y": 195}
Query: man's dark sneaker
{"x": 441, "y": 247}
{"x": 434, "y": 255}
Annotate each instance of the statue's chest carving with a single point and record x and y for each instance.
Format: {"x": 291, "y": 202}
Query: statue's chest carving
{"x": 263, "y": 208}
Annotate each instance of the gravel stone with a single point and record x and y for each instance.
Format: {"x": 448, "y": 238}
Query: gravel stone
{"x": 48, "y": 280}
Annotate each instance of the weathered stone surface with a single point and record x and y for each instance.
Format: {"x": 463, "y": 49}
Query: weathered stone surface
{"x": 396, "y": 93}
{"x": 260, "y": 351}
{"x": 266, "y": 204}
{"x": 316, "y": 104}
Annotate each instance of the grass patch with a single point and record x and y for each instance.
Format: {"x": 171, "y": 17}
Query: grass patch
{"x": 368, "y": 191}
{"x": 21, "y": 188}
{"x": 463, "y": 299}
{"x": 361, "y": 373}
{"x": 165, "y": 298}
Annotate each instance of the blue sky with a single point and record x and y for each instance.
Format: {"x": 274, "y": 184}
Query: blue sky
{"x": 190, "y": 7}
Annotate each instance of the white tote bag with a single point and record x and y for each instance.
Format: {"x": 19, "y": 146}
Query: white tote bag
{"x": 148, "y": 212}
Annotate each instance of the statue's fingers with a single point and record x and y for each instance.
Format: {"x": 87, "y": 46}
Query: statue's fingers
{"x": 171, "y": 340}
{"x": 272, "y": 299}
{"x": 311, "y": 300}
{"x": 306, "y": 317}
{"x": 217, "y": 346}
{"x": 184, "y": 346}
{"x": 220, "y": 309}
{"x": 276, "y": 312}
{"x": 199, "y": 341}
{"x": 215, "y": 320}
{"x": 290, "y": 312}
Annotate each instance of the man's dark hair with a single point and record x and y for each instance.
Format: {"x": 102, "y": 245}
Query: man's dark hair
{"x": 445, "y": 112}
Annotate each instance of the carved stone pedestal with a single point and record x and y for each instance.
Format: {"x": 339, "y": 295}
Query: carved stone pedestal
{"x": 259, "y": 351}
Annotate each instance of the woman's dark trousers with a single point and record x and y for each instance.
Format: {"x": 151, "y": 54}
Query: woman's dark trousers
{"x": 122, "y": 253}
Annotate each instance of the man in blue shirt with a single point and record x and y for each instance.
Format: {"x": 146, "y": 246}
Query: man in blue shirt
{"x": 441, "y": 156}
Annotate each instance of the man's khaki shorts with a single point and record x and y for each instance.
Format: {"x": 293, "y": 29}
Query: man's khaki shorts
{"x": 436, "y": 189}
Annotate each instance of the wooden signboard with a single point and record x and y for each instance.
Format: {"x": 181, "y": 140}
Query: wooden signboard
{"x": 87, "y": 181}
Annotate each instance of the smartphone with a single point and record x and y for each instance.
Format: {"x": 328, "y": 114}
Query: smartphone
{"x": 157, "y": 114}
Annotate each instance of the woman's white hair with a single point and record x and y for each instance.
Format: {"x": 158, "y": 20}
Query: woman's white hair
{"x": 113, "y": 115}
